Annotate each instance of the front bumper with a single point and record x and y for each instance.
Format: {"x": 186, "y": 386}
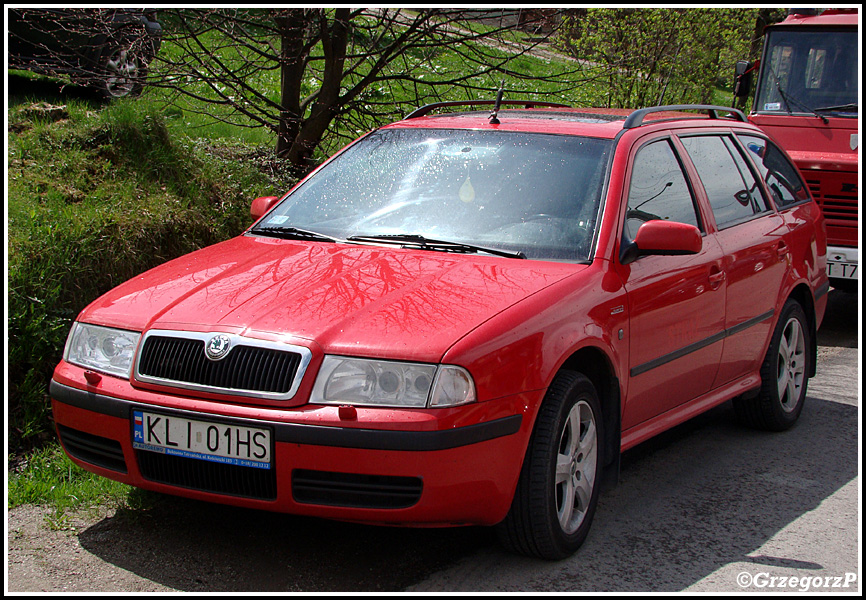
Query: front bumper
{"x": 461, "y": 469}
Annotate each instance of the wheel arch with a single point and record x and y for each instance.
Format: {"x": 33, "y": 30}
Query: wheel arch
{"x": 802, "y": 294}
{"x": 597, "y": 367}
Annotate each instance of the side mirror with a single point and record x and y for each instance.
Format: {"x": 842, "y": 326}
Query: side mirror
{"x": 662, "y": 238}
{"x": 743, "y": 78}
{"x": 262, "y": 205}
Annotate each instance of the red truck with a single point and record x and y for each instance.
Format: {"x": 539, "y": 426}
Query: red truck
{"x": 806, "y": 99}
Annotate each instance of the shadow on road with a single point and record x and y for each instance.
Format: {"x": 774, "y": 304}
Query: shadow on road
{"x": 841, "y": 321}
{"x": 714, "y": 492}
{"x": 196, "y": 546}
{"x": 702, "y": 496}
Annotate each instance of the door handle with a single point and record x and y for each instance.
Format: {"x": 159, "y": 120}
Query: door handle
{"x": 782, "y": 249}
{"x": 717, "y": 277}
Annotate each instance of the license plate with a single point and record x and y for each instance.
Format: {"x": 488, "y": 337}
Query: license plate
{"x": 839, "y": 270}
{"x": 203, "y": 440}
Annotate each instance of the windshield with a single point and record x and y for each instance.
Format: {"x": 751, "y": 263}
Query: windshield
{"x": 536, "y": 194}
{"x": 806, "y": 71}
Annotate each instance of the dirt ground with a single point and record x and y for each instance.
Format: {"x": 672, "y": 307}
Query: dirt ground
{"x": 44, "y": 559}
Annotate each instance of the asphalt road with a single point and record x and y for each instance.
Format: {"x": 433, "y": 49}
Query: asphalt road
{"x": 709, "y": 506}
{"x": 713, "y": 507}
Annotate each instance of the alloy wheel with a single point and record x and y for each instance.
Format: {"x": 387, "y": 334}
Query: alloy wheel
{"x": 576, "y": 466}
{"x": 791, "y": 367}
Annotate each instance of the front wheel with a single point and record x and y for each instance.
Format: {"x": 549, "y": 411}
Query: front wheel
{"x": 784, "y": 375}
{"x": 557, "y": 493}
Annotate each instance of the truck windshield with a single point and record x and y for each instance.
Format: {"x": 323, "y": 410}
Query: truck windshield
{"x": 809, "y": 70}
{"x": 535, "y": 194}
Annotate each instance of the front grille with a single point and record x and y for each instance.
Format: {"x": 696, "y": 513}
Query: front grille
{"x": 93, "y": 449}
{"x": 354, "y": 490}
{"x": 836, "y": 194}
{"x": 205, "y": 476}
{"x": 246, "y": 368}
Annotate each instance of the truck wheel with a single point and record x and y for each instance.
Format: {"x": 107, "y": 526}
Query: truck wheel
{"x": 784, "y": 375}
{"x": 557, "y": 492}
{"x": 123, "y": 71}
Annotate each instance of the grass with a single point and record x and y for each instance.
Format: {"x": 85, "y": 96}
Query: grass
{"x": 95, "y": 198}
{"x": 47, "y": 477}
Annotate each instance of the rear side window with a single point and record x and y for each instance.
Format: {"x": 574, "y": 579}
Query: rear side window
{"x": 733, "y": 192}
{"x": 785, "y": 184}
{"x": 658, "y": 189}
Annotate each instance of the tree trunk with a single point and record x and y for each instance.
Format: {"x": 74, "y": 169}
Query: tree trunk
{"x": 326, "y": 107}
{"x": 292, "y": 24}
{"x": 763, "y": 18}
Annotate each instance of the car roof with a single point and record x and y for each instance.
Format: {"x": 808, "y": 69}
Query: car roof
{"x": 592, "y": 122}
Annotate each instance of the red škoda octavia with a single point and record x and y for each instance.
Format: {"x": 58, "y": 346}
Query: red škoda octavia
{"x": 462, "y": 319}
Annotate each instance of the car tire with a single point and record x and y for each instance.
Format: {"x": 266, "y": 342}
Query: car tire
{"x": 557, "y": 492}
{"x": 122, "y": 71}
{"x": 784, "y": 375}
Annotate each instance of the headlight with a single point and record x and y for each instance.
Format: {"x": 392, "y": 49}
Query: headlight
{"x": 361, "y": 381}
{"x": 101, "y": 348}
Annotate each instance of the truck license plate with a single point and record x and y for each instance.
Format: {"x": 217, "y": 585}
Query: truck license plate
{"x": 203, "y": 440}
{"x": 840, "y": 270}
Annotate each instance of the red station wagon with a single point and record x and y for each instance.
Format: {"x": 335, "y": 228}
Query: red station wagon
{"x": 462, "y": 318}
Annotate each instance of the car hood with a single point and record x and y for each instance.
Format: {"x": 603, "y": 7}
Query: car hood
{"x": 354, "y": 300}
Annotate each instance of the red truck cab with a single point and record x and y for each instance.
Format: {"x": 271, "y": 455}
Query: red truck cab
{"x": 806, "y": 100}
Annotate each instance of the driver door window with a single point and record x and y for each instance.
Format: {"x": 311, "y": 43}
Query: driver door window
{"x": 658, "y": 189}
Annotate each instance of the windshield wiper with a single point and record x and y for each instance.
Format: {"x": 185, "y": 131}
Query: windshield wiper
{"x": 844, "y": 107}
{"x": 295, "y": 233}
{"x": 419, "y": 241}
{"x": 788, "y": 98}
{"x": 405, "y": 240}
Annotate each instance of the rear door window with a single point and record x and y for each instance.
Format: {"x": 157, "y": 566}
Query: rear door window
{"x": 732, "y": 190}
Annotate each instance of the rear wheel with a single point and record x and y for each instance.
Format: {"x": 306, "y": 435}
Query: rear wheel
{"x": 784, "y": 375}
{"x": 557, "y": 493}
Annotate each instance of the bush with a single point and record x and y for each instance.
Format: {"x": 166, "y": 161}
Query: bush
{"x": 95, "y": 200}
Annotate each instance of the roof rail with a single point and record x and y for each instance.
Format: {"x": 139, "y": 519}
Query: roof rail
{"x": 636, "y": 118}
{"x": 428, "y": 108}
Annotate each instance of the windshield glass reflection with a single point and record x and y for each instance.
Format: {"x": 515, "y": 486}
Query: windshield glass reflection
{"x": 534, "y": 193}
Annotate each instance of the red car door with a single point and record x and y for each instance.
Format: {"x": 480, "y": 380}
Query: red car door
{"x": 752, "y": 237}
{"x": 676, "y": 304}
